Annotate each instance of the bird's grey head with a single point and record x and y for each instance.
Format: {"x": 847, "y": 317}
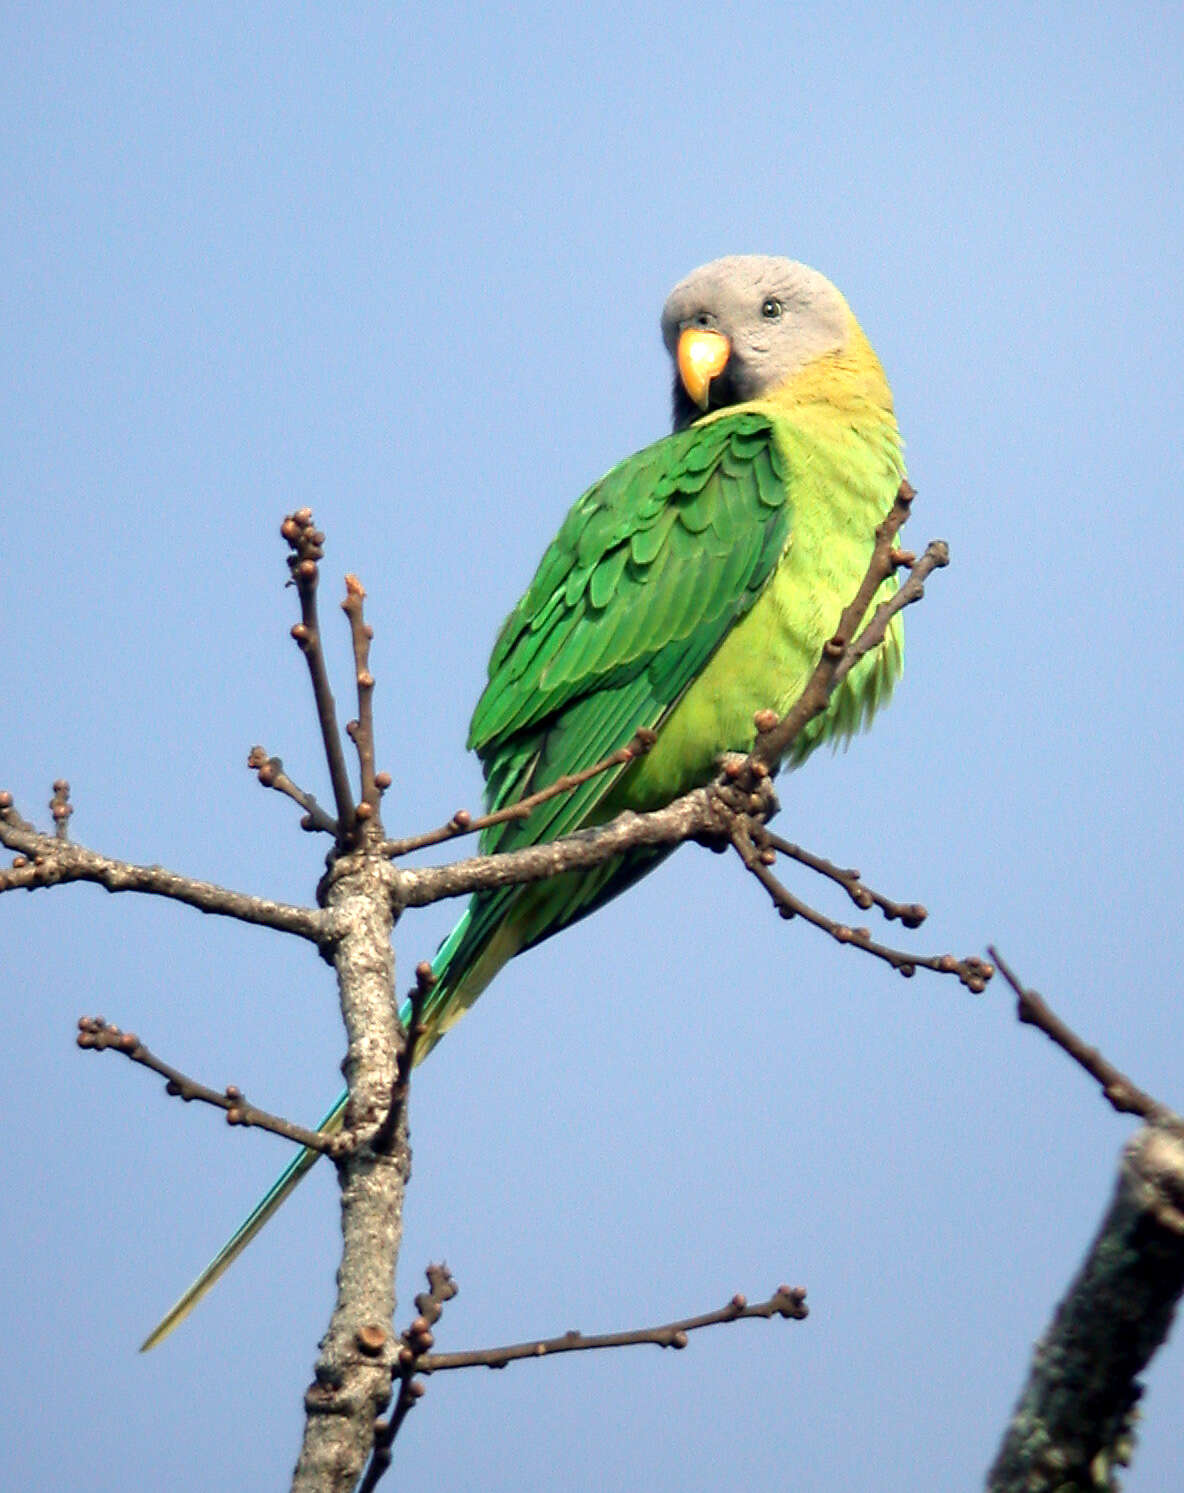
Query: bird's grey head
{"x": 778, "y": 316}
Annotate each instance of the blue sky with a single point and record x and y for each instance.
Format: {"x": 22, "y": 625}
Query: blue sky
{"x": 406, "y": 266}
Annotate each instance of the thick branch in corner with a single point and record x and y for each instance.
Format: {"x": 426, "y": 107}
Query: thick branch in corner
{"x": 1074, "y": 1423}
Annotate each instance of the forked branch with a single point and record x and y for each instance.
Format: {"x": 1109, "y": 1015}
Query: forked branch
{"x": 971, "y": 971}
{"x": 415, "y": 1356}
{"x": 786, "y": 1301}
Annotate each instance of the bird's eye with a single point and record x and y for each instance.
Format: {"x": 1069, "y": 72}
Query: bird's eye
{"x": 771, "y": 309}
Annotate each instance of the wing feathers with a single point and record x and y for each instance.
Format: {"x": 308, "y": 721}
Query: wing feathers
{"x": 636, "y": 571}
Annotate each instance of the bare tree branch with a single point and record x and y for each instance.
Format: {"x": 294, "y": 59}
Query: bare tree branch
{"x": 1075, "y": 1421}
{"x": 362, "y": 893}
{"x": 694, "y": 814}
{"x": 911, "y": 914}
{"x": 307, "y": 544}
{"x": 352, "y": 1384}
{"x": 388, "y": 1131}
{"x": 98, "y": 1035}
{"x": 972, "y": 972}
{"x": 415, "y": 1356}
{"x": 416, "y": 1340}
{"x": 361, "y": 730}
{"x": 46, "y": 861}
{"x": 1074, "y": 1424}
{"x": 852, "y": 640}
{"x": 787, "y": 1301}
{"x": 1119, "y": 1091}
{"x": 271, "y": 774}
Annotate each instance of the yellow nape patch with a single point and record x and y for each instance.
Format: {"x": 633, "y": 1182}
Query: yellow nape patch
{"x": 839, "y": 381}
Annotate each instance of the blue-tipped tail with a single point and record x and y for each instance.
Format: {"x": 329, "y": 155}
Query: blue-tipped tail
{"x": 246, "y": 1231}
{"x": 459, "y": 981}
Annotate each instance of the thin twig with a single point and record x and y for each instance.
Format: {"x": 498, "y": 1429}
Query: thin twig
{"x": 307, "y": 544}
{"x": 361, "y": 731}
{"x": 1120, "y": 1092}
{"x": 415, "y": 1357}
{"x": 425, "y": 982}
{"x": 911, "y": 914}
{"x": 463, "y": 823}
{"x": 98, "y": 1035}
{"x": 935, "y": 557}
{"x": 973, "y": 973}
{"x": 787, "y": 1301}
{"x": 271, "y": 774}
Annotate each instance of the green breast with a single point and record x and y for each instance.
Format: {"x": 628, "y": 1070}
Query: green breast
{"x": 843, "y": 477}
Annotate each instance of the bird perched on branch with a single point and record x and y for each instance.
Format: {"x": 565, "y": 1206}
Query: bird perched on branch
{"x": 691, "y": 587}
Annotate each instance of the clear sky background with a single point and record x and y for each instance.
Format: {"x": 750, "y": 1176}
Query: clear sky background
{"x": 405, "y": 264}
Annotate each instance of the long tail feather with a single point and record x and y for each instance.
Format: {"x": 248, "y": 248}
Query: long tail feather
{"x": 463, "y": 969}
{"x": 283, "y": 1185}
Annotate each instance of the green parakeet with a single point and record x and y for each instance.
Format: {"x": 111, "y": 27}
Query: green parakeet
{"x": 691, "y": 587}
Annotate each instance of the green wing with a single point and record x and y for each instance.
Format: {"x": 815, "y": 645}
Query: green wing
{"x": 651, "y": 570}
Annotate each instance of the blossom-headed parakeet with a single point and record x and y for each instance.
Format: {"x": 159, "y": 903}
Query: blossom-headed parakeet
{"x": 691, "y": 587}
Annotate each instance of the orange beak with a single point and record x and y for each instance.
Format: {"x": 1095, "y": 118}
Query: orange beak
{"x": 702, "y": 355}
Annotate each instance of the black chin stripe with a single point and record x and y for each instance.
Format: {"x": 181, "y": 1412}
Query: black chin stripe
{"x": 721, "y": 393}
{"x": 685, "y": 409}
